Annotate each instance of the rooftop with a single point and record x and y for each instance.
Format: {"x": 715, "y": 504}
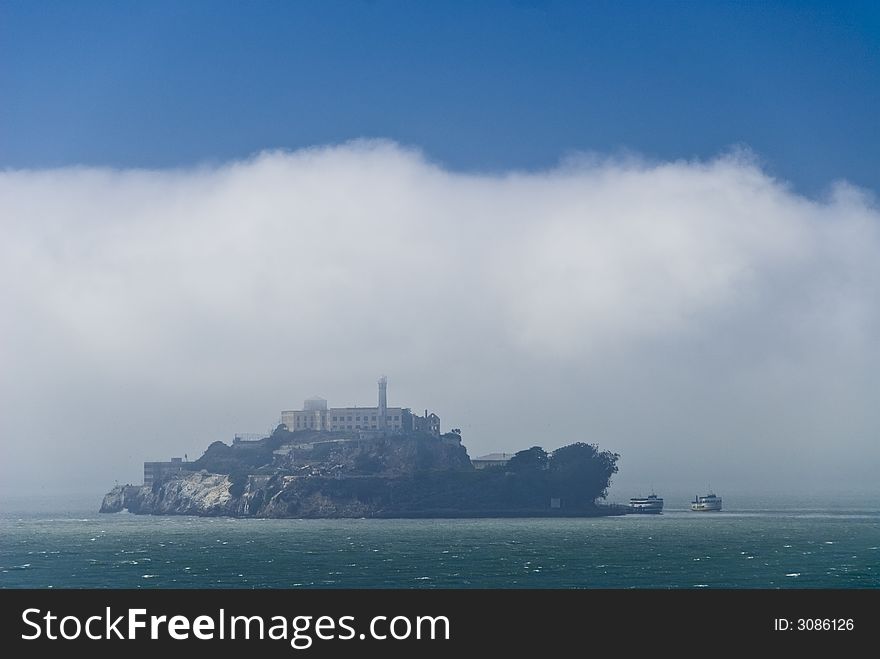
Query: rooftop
{"x": 495, "y": 457}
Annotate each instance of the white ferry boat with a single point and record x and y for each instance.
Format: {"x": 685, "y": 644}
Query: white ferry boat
{"x": 708, "y": 503}
{"x": 649, "y": 505}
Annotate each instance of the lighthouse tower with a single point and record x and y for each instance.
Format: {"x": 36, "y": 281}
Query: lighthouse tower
{"x": 383, "y": 402}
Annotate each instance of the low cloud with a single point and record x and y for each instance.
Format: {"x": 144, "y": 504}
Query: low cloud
{"x": 701, "y": 318}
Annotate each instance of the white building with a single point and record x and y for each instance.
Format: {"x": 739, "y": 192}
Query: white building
{"x": 491, "y": 460}
{"x": 315, "y": 415}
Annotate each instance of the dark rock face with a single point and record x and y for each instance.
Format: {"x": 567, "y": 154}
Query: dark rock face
{"x": 337, "y": 477}
{"x": 209, "y": 495}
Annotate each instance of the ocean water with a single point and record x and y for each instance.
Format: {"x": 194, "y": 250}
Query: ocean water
{"x": 759, "y": 546}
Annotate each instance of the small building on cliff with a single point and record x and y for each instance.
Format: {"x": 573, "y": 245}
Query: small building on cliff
{"x": 317, "y": 416}
{"x": 159, "y": 471}
{"x": 491, "y": 460}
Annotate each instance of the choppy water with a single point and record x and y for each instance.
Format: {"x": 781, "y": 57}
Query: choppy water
{"x": 828, "y": 548}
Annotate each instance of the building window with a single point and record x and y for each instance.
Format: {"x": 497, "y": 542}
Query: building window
{"x": 349, "y": 427}
{"x": 349, "y": 418}
{"x": 357, "y": 418}
{"x": 334, "y": 418}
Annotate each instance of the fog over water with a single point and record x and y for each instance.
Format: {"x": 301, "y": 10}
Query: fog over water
{"x": 700, "y": 318}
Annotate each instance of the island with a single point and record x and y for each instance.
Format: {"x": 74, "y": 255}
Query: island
{"x": 316, "y": 464}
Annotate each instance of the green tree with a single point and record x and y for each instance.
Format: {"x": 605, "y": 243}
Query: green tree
{"x": 580, "y": 473}
{"x": 530, "y": 460}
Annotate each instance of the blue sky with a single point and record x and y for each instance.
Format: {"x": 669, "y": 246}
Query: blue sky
{"x": 483, "y": 86}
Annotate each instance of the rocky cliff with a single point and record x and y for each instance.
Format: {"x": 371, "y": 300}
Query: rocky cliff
{"x": 195, "y": 494}
{"x": 297, "y": 475}
{"x": 207, "y": 494}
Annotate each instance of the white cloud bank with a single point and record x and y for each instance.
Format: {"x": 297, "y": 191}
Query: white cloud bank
{"x": 698, "y": 317}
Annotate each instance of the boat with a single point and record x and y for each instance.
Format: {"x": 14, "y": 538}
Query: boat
{"x": 649, "y": 505}
{"x": 707, "y": 503}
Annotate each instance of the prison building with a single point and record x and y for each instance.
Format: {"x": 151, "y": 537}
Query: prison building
{"x": 317, "y": 416}
{"x": 155, "y": 472}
